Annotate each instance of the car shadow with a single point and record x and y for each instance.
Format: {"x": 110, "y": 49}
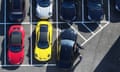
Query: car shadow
{"x": 64, "y": 25}
{"x": 91, "y": 26}
{"x": 2, "y": 11}
{"x": 2, "y": 52}
{"x": 111, "y": 61}
{"x": 2, "y": 26}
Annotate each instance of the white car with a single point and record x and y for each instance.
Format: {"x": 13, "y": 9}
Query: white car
{"x": 44, "y": 8}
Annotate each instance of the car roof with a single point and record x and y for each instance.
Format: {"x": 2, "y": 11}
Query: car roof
{"x": 43, "y": 36}
{"x": 15, "y": 38}
{"x": 66, "y": 49}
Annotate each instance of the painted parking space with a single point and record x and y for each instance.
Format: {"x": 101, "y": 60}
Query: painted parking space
{"x": 83, "y": 38}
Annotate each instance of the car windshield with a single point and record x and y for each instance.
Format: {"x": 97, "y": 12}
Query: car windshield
{"x": 43, "y": 41}
{"x": 94, "y": 6}
{"x": 43, "y": 3}
{"x": 15, "y": 41}
{"x": 16, "y": 4}
{"x": 15, "y": 48}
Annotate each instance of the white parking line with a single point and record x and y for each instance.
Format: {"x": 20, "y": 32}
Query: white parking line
{"x": 31, "y": 33}
{"x": 78, "y": 33}
{"x": 27, "y": 65}
{"x": 31, "y": 44}
{"x": 5, "y": 32}
{"x": 83, "y": 11}
{"x": 87, "y": 28}
{"x": 109, "y": 11}
{"x": 65, "y": 22}
{"x": 90, "y": 22}
{"x": 99, "y": 25}
{"x": 94, "y": 34}
{"x": 57, "y": 21}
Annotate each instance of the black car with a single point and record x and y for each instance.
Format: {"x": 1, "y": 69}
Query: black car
{"x": 95, "y": 10}
{"x": 117, "y": 5}
{"x": 68, "y": 10}
{"x": 17, "y": 10}
{"x": 66, "y": 48}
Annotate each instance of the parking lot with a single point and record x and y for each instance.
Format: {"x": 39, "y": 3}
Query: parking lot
{"x": 97, "y": 38}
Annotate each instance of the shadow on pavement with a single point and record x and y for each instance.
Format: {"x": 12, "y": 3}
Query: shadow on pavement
{"x": 1, "y": 29}
{"x": 91, "y": 26}
{"x": 111, "y": 61}
{"x": 2, "y": 52}
{"x": 2, "y": 11}
{"x": 10, "y": 67}
{"x": 64, "y": 26}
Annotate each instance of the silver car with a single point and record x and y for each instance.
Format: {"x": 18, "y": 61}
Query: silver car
{"x": 44, "y": 8}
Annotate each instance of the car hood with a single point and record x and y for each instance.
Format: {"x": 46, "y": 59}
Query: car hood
{"x": 43, "y": 54}
{"x": 44, "y": 12}
{"x": 15, "y": 57}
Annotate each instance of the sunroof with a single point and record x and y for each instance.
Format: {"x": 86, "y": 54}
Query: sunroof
{"x": 43, "y": 28}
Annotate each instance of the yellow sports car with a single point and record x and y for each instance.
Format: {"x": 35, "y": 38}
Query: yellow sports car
{"x": 43, "y": 43}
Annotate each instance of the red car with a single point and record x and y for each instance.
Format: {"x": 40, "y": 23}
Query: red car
{"x": 15, "y": 52}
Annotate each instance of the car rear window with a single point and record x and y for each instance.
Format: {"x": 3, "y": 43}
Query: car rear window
{"x": 43, "y": 3}
{"x": 16, "y": 4}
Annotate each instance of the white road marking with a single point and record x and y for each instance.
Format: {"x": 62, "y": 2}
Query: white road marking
{"x": 5, "y": 32}
{"x": 87, "y": 28}
{"x": 57, "y": 21}
{"x": 109, "y": 10}
{"x": 82, "y": 10}
{"x": 79, "y": 33}
{"x": 94, "y": 34}
{"x": 31, "y": 33}
{"x": 31, "y": 44}
{"x": 27, "y": 65}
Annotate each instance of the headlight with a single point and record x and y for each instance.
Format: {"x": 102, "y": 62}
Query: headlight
{"x": 48, "y": 55}
{"x": 21, "y": 59}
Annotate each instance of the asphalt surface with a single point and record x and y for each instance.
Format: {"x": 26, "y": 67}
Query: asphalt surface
{"x": 100, "y": 41}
